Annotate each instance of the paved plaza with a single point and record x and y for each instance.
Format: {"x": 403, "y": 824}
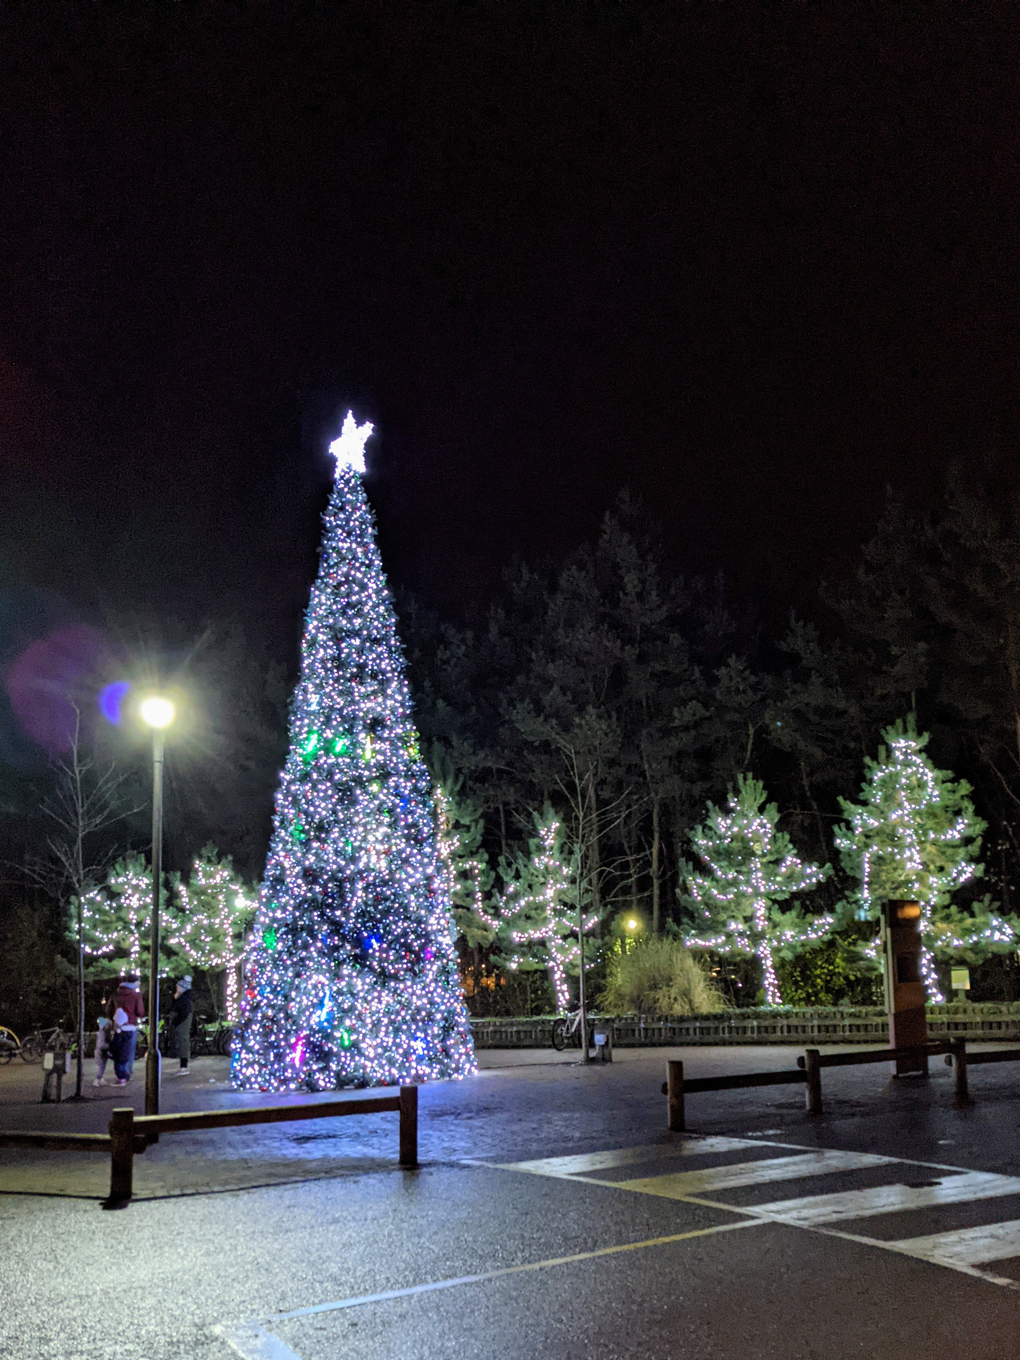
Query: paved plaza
{"x": 553, "y": 1216}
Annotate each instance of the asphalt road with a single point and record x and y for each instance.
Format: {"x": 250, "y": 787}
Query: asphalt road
{"x": 764, "y": 1234}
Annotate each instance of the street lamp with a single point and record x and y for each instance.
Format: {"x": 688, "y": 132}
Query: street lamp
{"x": 157, "y": 713}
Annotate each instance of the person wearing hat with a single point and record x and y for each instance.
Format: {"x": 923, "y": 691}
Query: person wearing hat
{"x": 179, "y": 1020}
{"x": 125, "y": 1008}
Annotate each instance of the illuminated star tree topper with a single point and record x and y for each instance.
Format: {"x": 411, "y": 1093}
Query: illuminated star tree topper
{"x": 349, "y": 449}
{"x": 352, "y": 977}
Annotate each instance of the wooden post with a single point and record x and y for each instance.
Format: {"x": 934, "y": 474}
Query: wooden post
{"x": 908, "y": 1028}
{"x": 122, "y": 1152}
{"x": 409, "y": 1127}
{"x": 813, "y": 1081}
{"x": 959, "y": 1047}
{"x": 675, "y": 1096}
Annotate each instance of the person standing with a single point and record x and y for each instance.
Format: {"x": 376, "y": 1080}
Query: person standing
{"x": 104, "y": 1034}
{"x": 127, "y": 999}
{"x": 179, "y": 1020}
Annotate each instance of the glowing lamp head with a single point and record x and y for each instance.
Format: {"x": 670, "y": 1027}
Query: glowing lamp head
{"x": 632, "y": 923}
{"x": 157, "y": 712}
{"x": 349, "y": 449}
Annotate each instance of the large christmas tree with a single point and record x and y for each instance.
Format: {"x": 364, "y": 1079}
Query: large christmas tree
{"x": 352, "y": 976}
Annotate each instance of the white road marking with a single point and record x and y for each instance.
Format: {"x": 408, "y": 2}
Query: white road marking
{"x": 580, "y": 1163}
{"x": 821, "y": 1163}
{"x": 963, "y": 1250}
{"x": 967, "y": 1246}
{"x": 253, "y": 1342}
{"x": 885, "y": 1199}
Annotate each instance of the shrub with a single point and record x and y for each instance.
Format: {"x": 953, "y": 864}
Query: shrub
{"x": 825, "y": 976}
{"x": 658, "y": 977}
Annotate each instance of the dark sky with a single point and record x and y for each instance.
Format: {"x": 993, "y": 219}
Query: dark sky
{"x": 754, "y": 260}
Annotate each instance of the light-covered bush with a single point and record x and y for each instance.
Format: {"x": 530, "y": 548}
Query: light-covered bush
{"x": 658, "y": 977}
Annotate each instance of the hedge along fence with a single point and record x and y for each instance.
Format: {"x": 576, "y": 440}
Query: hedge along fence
{"x": 989, "y": 1021}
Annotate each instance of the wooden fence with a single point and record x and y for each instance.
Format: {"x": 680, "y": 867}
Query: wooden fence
{"x": 131, "y": 1134}
{"x": 808, "y": 1073}
{"x": 991, "y": 1022}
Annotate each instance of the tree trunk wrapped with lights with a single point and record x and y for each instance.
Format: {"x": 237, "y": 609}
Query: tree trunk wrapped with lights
{"x": 752, "y": 867}
{"x": 352, "y": 976}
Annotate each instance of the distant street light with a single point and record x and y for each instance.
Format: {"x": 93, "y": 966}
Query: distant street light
{"x": 157, "y": 713}
{"x": 632, "y": 923}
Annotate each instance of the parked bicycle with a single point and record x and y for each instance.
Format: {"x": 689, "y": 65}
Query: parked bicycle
{"x": 208, "y": 1037}
{"x": 566, "y": 1029}
{"x": 56, "y": 1040}
{"x": 10, "y": 1045}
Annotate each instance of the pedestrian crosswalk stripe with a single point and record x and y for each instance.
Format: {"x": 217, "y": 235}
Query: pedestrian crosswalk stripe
{"x": 586, "y": 1162}
{"x": 824, "y": 1162}
{"x": 816, "y": 1210}
{"x": 965, "y": 1250}
{"x": 967, "y": 1246}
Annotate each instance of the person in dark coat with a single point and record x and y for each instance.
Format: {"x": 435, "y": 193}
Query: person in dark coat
{"x": 125, "y": 1008}
{"x": 179, "y": 1020}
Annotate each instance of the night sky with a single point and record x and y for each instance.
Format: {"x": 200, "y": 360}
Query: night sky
{"x": 754, "y": 261}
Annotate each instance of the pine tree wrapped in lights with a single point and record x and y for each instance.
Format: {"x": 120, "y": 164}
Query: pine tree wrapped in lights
{"x": 352, "y": 975}
{"x": 117, "y": 920}
{"x": 752, "y": 867}
{"x": 214, "y": 908}
{"x": 914, "y": 837}
{"x": 468, "y": 875}
{"x": 540, "y": 908}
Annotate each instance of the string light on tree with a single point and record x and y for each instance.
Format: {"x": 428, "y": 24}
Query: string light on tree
{"x": 752, "y": 867}
{"x": 214, "y": 909}
{"x": 116, "y": 918}
{"x": 914, "y": 836}
{"x": 540, "y": 907}
{"x": 351, "y": 975}
{"x": 468, "y": 875}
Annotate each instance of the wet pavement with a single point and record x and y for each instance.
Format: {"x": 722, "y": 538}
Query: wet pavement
{"x": 615, "y": 1254}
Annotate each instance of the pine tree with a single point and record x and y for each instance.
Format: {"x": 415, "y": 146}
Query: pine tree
{"x": 352, "y": 976}
{"x": 540, "y": 907}
{"x": 468, "y": 875}
{"x": 914, "y": 836}
{"x": 213, "y": 911}
{"x": 117, "y": 920}
{"x": 752, "y": 867}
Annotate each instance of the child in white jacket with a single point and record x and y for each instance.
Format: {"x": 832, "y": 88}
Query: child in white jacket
{"x": 103, "y": 1055}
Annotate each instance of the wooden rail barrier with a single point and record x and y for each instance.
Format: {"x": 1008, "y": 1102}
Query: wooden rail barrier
{"x": 82, "y": 1142}
{"x": 809, "y": 1072}
{"x": 131, "y": 1133}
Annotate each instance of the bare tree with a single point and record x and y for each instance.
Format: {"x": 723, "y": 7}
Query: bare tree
{"x": 86, "y": 799}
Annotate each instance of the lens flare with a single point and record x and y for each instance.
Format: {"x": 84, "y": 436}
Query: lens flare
{"x": 111, "y": 701}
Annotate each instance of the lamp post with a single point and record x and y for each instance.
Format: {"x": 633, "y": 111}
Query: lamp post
{"x": 157, "y": 713}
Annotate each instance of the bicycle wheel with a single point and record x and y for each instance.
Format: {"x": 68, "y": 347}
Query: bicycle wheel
{"x": 559, "y": 1035}
{"x": 9, "y": 1044}
{"x": 33, "y": 1048}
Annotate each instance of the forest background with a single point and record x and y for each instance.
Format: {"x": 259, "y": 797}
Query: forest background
{"x": 624, "y": 695}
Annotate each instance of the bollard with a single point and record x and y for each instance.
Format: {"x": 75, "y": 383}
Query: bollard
{"x": 812, "y": 1081}
{"x": 959, "y": 1048}
{"x": 675, "y": 1096}
{"x": 409, "y": 1127}
{"x": 55, "y": 1066}
{"x": 122, "y": 1153}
